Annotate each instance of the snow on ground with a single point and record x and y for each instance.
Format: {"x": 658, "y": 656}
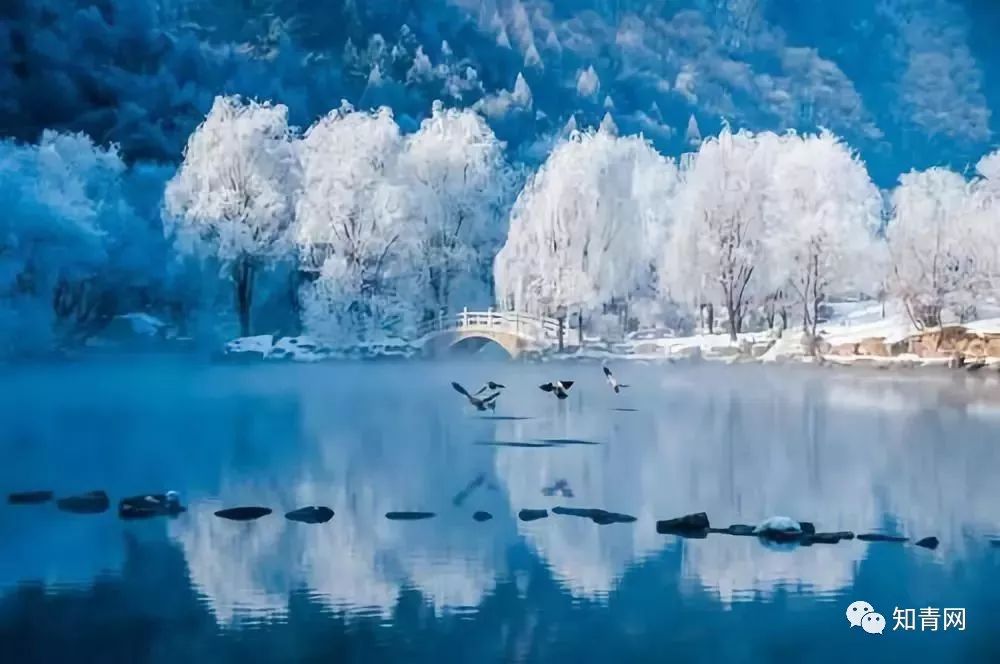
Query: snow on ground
{"x": 307, "y": 349}
{"x": 985, "y": 326}
{"x": 850, "y": 323}
{"x": 143, "y": 323}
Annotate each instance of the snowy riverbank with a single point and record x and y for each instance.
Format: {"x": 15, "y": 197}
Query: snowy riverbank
{"x": 890, "y": 342}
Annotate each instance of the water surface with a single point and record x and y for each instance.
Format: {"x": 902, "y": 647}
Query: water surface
{"x": 908, "y": 453}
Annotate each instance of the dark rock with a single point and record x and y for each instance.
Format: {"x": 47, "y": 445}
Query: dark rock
{"x": 820, "y": 538}
{"x": 844, "y": 534}
{"x": 482, "y": 516}
{"x": 29, "y": 497}
{"x": 598, "y": 516}
{"x": 781, "y": 536}
{"x": 408, "y": 516}
{"x": 532, "y": 515}
{"x": 149, "y": 505}
{"x": 688, "y": 523}
{"x": 739, "y": 529}
{"x": 928, "y": 542}
{"x": 807, "y": 527}
{"x": 573, "y": 511}
{"x": 603, "y": 518}
{"x": 879, "y": 537}
{"x": 243, "y": 513}
{"x": 92, "y": 502}
{"x": 311, "y": 514}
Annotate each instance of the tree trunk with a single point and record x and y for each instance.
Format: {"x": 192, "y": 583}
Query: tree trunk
{"x": 243, "y": 276}
{"x": 733, "y": 318}
{"x": 708, "y": 317}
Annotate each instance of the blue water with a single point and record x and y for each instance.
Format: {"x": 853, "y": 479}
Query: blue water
{"x": 916, "y": 454}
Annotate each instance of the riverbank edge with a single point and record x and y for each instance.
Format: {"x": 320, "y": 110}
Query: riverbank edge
{"x": 954, "y": 346}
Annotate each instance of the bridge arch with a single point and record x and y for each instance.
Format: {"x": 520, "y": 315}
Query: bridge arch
{"x": 513, "y": 331}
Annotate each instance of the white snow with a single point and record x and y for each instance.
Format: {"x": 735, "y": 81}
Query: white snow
{"x": 587, "y": 82}
{"x": 143, "y": 323}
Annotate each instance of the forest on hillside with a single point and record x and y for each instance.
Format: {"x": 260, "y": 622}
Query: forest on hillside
{"x": 348, "y": 169}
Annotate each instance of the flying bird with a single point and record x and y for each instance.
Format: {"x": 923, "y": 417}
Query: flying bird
{"x": 560, "y": 388}
{"x": 481, "y": 404}
{"x": 612, "y": 381}
{"x": 491, "y": 386}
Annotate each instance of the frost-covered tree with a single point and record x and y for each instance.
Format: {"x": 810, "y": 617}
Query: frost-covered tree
{"x": 231, "y": 198}
{"x": 716, "y": 244}
{"x": 64, "y": 233}
{"x": 355, "y": 229}
{"x": 943, "y": 245}
{"x": 822, "y": 212}
{"x": 461, "y": 186}
{"x": 583, "y": 229}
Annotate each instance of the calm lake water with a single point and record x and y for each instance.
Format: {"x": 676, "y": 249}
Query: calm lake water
{"x": 915, "y": 454}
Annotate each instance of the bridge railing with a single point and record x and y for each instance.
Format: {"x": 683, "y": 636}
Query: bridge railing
{"x": 528, "y": 325}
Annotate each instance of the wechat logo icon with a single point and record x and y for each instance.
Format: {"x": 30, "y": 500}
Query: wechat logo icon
{"x": 863, "y": 615}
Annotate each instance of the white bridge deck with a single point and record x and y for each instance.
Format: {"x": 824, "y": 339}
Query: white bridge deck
{"x": 529, "y": 330}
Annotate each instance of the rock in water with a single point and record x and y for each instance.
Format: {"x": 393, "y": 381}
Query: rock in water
{"x": 603, "y": 518}
{"x": 822, "y": 538}
{"x": 29, "y": 497}
{"x": 243, "y": 513}
{"x": 807, "y": 527}
{"x": 740, "y": 530}
{"x": 408, "y": 516}
{"x": 879, "y": 537}
{"x": 311, "y": 514}
{"x": 689, "y": 524}
{"x": 780, "y": 529}
{"x": 532, "y": 515}
{"x": 598, "y": 516}
{"x": 92, "y": 502}
{"x": 928, "y": 542}
{"x": 482, "y": 516}
{"x": 572, "y": 511}
{"x": 150, "y": 505}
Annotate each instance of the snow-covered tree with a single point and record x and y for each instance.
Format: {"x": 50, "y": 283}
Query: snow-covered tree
{"x": 942, "y": 245}
{"x": 822, "y": 213}
{"x": 354, "y": 229}
{"x": 716, "y": 244}
{"x": 460, "y": 185}
{"x": 231, "y": 198}
{"x": 692, "y": 135}
{"x": 583, "y": 228}
{"x": 587, "y": 82}
{"x": 65, "y": 220}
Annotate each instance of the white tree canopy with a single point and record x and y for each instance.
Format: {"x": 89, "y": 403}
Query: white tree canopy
{"x": 232, "y": 195}
{"x": 355, "y": 227}
{"x": 716, "y": 245}
{"x": 460, "y": 185}
{"x": 822, "y": 212}
{"x": 943, "y": 245}
{"x": 583, "y": 228}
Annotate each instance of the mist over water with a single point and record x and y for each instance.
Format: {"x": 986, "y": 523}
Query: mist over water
{"x": 909, "y": 454}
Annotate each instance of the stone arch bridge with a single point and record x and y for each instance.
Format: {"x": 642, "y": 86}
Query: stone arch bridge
{"x": 513, "y": 331}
